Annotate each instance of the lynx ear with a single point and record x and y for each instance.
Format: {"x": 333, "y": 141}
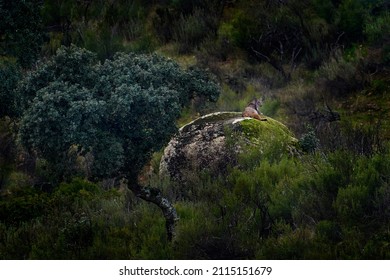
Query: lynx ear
{"x": 261, "y": 99}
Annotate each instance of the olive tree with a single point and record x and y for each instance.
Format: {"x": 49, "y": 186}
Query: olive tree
{"x": 118, "y": 112}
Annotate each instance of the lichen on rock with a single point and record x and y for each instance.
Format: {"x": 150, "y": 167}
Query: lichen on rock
{"x": 213, "y": 142}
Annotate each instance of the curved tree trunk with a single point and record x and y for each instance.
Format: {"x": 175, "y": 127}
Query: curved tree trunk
{"x": 155, "y": 196}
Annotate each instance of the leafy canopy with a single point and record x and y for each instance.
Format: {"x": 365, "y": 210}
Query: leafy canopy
{"x": 117, "y": 112}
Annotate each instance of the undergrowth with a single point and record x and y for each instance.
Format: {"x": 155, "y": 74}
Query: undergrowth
{"x": 315, "y": 206}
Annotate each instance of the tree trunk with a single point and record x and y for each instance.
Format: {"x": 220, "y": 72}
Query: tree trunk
{"x": 155, "y": 196}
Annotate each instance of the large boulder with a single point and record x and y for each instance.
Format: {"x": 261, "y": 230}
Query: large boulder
{"x": 212, "y": 143}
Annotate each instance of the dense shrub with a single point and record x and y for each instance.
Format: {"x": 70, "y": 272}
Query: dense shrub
{"x": 9, "y": 76}
{"x": 22, "y": 205}
{"x": 101, "y": 27}
{"x": 22, "y": 30}
{"x": 7, "y": 150}
{"x": 377, "y": 28}
{"x": 191, "y": 30}
{"x": 309, "y": 141}
{"x": 79, "y": 221}
{"x": 312, "y": 208}
{"x": 352, "y": 18}
{"x": 339, "y": 76}
{"x": 332, "y": 206}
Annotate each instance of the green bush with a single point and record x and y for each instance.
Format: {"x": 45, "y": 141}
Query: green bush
{"x": 7, "y": 150}
{"x": 339, "y": 75}
{"x": 103, "y": 40}
{"x": 309, "y": 141}
{"x": 377, "y": 28}
{"x": 191, "y": 30}
{"x": 351, "y": 15}
{"x": 22, "y": 205}
{"x": 352, "y": 203}
{"x": 9, "y": 77}
{"x": 317, "y": 206}
{"x": 328, "y": 231}
{"x": 21, "y": 30}
{"x": 199, "y": 233}
{"x": 288, "y": 244}
{"x": 77, "y": 188}
{"x": 270, "y": 107}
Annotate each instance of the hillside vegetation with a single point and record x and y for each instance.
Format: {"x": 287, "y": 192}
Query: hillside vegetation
{"x": 92, "y": 91}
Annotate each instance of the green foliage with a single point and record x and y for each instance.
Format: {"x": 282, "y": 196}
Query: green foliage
{"x": 99, "y": 26}
{"x": 377, "y": 28}
{"x": 296, "y": 32}
{"x": 352, "y": 18}
{"x": 9, "y": 76}
{"x": 379, "y": 86}
{"x": 312, "y": 207}
{"x": 22, "y": 32}
{"x": 307, "y": 208}
{"x": 339, "y": 75}
{"x": 309, "y": 141}
{"x": 144, "y": 44}
{"x": 190, "y": 31}
{"x": 238, "y": 29}
{"x": 76, "y": 68}
{"x": 7, "y": 151}
{"x": 22, "y": 205}
{"x": 325, "y": 9}
{"x": 118, "y": 112}
{"x": 352, "y": 202}
{"x": 80, "y": 221}
{"x": 288, "y": 33}
{"x": 102, "y": 40}
{"x": 77, "y": 188}
{"x": 187, "y": 23}
{"x": 289, "y": 244}
{"x": 270, "y": 107}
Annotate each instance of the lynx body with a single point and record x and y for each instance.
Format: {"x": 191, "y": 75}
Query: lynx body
{"x": 253, "y": 110}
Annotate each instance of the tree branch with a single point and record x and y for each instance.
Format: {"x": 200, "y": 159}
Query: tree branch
{"x": 155, "y": 196}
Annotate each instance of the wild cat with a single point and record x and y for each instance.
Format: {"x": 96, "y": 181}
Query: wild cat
{"x": 253, "y": 110}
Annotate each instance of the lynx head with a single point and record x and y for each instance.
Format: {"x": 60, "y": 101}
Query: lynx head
{"x": 256, "y": 103}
